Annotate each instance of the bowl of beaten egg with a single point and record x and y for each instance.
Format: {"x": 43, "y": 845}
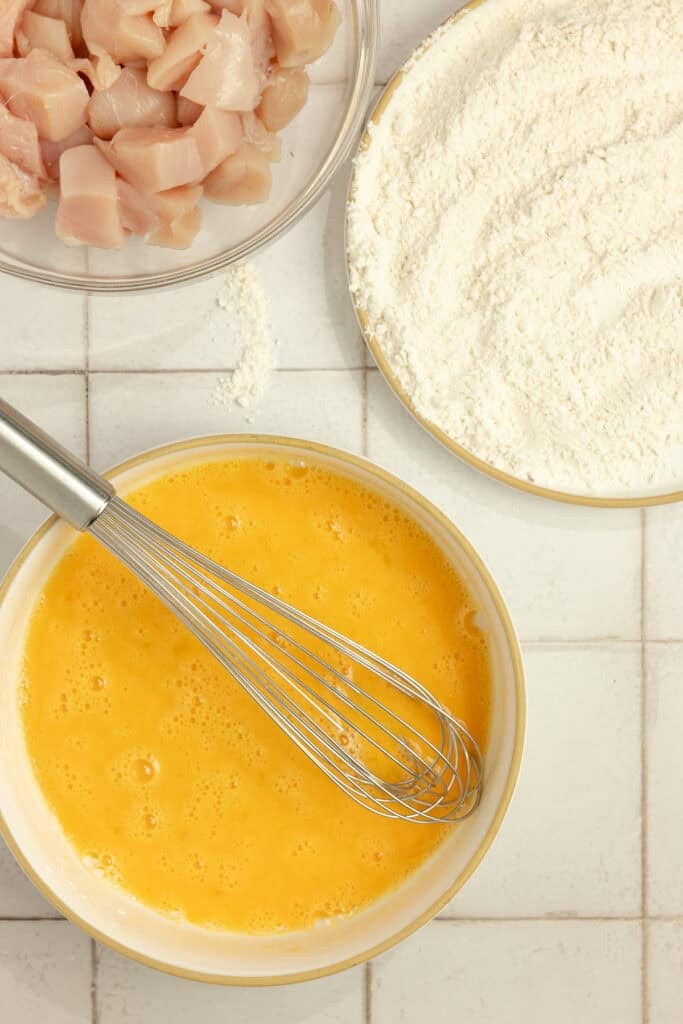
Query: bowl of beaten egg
{"x": 156, "y": 805}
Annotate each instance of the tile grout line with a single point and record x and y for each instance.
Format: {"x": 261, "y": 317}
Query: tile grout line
{"x": 86, "y": 371}
{"x": 364, "y": 413}
{"x": 446, "y": 919}
{"x": 367, "y": 992}
{"x": 644, "y": 973}
{"x": 94, "y": 1012}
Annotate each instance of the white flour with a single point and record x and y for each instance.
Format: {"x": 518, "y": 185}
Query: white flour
{"x": 516, "y": 239}
{"x": 243, "y": 296}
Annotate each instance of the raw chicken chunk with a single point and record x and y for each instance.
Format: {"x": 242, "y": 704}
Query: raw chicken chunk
{"x": 19, "y": 143}
{"x": 35, "y": 31}
{"x": 88, "y": 210}
{"x": 155, "y": 159}
{"x": 41, "y": 89}
{"x": 302, "y": 29}
{"x": 283, "y": 97}
{"x": 241, "y": 178}
{"x": 108, "y": 28}
{"x": 11, "y": 12}
{"x": 136, "y": 108}
{"x": 183, "y": 52}
{"x": 68, "y": 11}
{"x": 187, "y": 112}
{"x": 143, "y": 214}
{"x": 256, "y": 133}
{"x": 130, "y": 102}
{"x": 171, "y": 13}
{"x": 21, "y": 194}
{"x": 52, "y": 151}
{"x": 218, "y": 133}
{"x": 180, "y": 233}
{"x": 100, "y": 71}
{"x": 226, "y": 76}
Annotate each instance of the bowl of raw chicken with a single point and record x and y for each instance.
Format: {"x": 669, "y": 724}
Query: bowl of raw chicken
{"x": 144, "y": 143}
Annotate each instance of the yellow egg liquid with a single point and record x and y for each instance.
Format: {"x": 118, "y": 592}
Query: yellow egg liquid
{"x": 164, "y": 774}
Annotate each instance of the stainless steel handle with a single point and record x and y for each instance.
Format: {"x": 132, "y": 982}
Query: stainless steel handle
{"x": 50, "y": 472}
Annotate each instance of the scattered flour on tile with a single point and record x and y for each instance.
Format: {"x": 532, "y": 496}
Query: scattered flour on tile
{"x": 516, "y": 239}
{"x": 243, "y": 296}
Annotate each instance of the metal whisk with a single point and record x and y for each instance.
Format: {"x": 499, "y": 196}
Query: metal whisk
{"x": 301, "y": 672}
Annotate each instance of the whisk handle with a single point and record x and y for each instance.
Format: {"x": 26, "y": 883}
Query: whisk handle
{"x": 50, "y": 472}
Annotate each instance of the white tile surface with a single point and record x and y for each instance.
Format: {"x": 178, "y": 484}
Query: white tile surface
{"x": 312, "y": 315}
{"x": 665, "y": 974}
{"x": 567, "y": 573}
{"x": 404, "y": 26}
{"x": 128, "y": 992}
{"x": 40, "y": 328}
{"x": 665, "y": 771}
{"x": 129, "y": 413}
{"x": 18, "y": 896}
{"x": 664, "y": 572}
{"x": 179, "y": 329}
{"x": 570, "y": 844}
{"x": 56, "y": 403}
{"x": 503, "y": 973}
{"x": 44, "y": 973}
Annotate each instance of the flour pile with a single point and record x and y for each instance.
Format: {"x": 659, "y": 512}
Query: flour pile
{"x": 516, "y": 239}
{"x": 243, "y": 296}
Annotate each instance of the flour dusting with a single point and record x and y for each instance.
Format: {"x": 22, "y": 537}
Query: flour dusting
{"x": 516, "y": 239}
{"x": 242, "y": 295}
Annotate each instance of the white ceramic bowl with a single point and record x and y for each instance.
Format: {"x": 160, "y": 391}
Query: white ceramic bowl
{"x": 113, "y": 917}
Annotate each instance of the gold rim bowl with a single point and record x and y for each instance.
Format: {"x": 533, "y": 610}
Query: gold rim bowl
{"x": 114, "y": 918}
{"x": 663, "y": 497}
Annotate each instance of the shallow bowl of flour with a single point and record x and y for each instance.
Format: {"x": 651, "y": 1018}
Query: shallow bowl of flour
{"x": 515, "y": 244}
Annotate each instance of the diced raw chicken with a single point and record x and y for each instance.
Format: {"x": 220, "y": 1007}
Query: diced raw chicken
{"x": 19, "y": 143}
{"x": 256, "y": 133}
{"x": 142, "y": 212}
{"x": 187, "y": 112}
{"x": 108, "y": 28}
{"x": 155, "y": 159}
{"x": 68, "y": 11}
{"x": 88, "y": 209}
{"x": 138, "y": 6}
{"x": 170, "y": 218}
{"x": 261, "y": 31}
{"x": 283, "y": 97}
{"x": 21, "y": 194}
{"x": 100, "y": 71}
{"x": 176, "y": 202}
{"x": 178, "y": 234}
{"x": 52, "y": 151}
{"x": 41, "y": 89}
{"x": 135, "y": 210}
{"x": 226, "y": 76}
{"x": 218, "y": 133}
{"x": 302, "y": 29}
{"x": 171, "y": 13}
{"x": 11, "y": 12}
{"x": 235, "y": 6}
{"x": 129, "y": 102}
{"x": 243, "y": 177}
{"x": 37, "y": 31}
{"x": 183, "y": 52}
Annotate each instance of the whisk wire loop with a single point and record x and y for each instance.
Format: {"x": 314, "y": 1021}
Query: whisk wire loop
{"x": 344, "y": 728}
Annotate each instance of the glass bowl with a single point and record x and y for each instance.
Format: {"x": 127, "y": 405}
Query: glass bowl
{"x": 313, "y": 147}
{"x": 115, "y": 918}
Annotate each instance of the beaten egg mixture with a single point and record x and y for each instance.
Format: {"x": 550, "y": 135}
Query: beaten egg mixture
{"x": 164, "y": 775}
